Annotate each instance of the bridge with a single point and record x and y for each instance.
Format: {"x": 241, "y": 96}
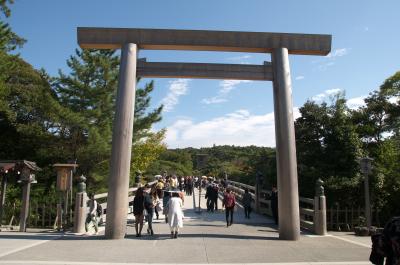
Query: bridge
{"x": 204, "y": 239}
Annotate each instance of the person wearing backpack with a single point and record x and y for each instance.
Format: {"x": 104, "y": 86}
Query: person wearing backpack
{"x": 138, "y": 208}
{"x": 92, "y": 214}
{"x": 229, "y": 203}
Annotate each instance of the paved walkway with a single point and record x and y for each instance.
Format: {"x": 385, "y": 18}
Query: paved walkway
{"x": 203, "y": 239}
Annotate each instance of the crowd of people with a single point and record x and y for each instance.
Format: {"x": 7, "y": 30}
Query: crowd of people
{"x": 166, "y": 197}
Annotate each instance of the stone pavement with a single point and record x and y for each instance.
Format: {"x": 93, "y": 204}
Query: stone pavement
{"x": 203, "y": 239}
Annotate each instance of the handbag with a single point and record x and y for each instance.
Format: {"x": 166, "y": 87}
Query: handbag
{"x": 159, "y": 206}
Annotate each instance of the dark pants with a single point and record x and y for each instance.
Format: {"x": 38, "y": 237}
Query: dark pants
{"x": 275, "y": 214}
{"x": 216, "y": 204}
{"x": 210, "y": 205}
{"x": 247, "y": 210}
{"x": 149, "y": 219}
{"x": 155, "y": 210}
{"x": 229, "y": 211}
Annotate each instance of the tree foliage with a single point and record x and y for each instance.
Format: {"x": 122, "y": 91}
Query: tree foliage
{"x": 89, "y": 91}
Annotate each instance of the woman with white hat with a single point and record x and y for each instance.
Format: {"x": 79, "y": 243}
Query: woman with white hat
{"x": 175, "y": 213}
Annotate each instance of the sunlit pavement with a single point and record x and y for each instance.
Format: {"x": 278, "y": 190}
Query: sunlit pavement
{"x": 203, "y": 239}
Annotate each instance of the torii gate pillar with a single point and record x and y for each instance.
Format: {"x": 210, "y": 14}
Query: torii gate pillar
{"x": 118, "y": 181}
{"x": 288, "y": 195}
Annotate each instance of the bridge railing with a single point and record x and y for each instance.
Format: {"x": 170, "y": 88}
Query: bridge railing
{"x": 101, "y": 198}
{"x": 312, "y": 211}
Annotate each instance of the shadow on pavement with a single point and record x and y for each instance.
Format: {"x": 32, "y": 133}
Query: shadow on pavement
{"x": 245, "y": 237}
{"x": 30, "y": 236}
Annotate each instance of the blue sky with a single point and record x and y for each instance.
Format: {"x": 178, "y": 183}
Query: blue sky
{"x": 365, "y": 51}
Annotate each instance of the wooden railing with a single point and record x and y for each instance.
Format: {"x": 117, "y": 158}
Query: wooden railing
{"x": 307, "y": 209}
{"x": 345, "y": 218}
{"x": 102, "y": 197}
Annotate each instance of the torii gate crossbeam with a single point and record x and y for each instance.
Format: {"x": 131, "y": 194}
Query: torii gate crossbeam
{"x": 280, "y": 45}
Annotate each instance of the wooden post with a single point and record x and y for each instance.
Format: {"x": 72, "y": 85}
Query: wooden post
{"x": 3, "y": 196}
{"x": 36, "y": 214}
{"x": 43, "y": 214}
{"x": 50, "y": 212}
{"x": 352, "y": 217}
{"x": 338, "y": 217}
{"x": 378, "y": 223}
{"x": 25, "y": 206}
{"x": 257, "y": 198}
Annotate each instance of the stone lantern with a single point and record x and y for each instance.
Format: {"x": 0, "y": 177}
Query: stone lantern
{"x": 27, "y": 177}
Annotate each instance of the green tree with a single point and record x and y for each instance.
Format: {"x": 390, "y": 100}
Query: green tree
{"x": 378, "y": 126}
{"x": 328, "y": 147}
{"x": 89, "y": 91}
{"x": 146, "y": 151}
{"x": 4, "y": 8}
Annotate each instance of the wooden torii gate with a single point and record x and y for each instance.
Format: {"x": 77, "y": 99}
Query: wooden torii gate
{"x": 280, "y": 45}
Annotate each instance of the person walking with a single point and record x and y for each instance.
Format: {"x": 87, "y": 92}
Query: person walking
{"x": 173, "y": 182}
{"x": 138, "y": 208}
{"x": 229, "y": 203}
{"x": 274, "y": 204}
{"x": 91, "y": 218}
{"x": 215, "y": 196}
{"x": 210, "y": 198}
{"x": 247, "y": 203}
{"x": 175, "y": 213}
{"x": 159, "y": 188}
{"x": 190, "y": 186}
{"x": 155, "y": 199}
{"x": 149, "y": 207}
{"x": 165, "y": 201}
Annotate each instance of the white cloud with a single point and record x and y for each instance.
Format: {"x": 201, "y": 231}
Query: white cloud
{"x": 394, "y": 99}
{"x": 226, "y": 86}
{"x": 239, "y": 58}
{"x": 330, "y": 59}
{"x": 325, "y": 66}
{"x": 356, "y": 103}
{"x": 238, "y": 128}
{"x": 176, "y": 89}
{"x": 326, "y": 94}
{"x": 338, "y": 53}
{"x": 213, "y": 100}
{"x": 333, "y": 91}
{"x": 352, "y": 103}
{"x": 300, "y": 77}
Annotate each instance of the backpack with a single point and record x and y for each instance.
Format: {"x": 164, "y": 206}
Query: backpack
{"x": 229, "y": 200}
{"x": 99, "y": 209}
{"x": 391, "y": 238}
{"x": 386, "y": 244}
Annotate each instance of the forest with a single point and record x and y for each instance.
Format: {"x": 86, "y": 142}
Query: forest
{"x": 68, "y": 117}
